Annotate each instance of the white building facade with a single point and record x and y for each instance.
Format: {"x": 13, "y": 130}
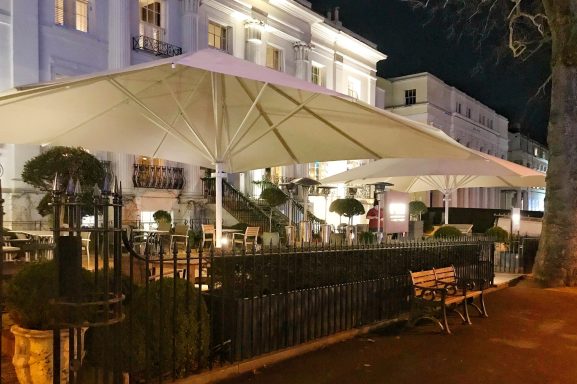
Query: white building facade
{"x": 43, "y": 40}
{"x": 531, "y": 154}
{"x": 425, "y": 98}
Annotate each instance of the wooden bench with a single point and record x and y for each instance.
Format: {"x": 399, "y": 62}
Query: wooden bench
{"x": 437, "y": 290}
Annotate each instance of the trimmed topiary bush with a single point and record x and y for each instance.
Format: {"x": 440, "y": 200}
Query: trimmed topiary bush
{"x": 498, "y": 234}
{"x": 447, "y": 231}
{"x": 162, "y": 216}
{"x": 148, "y": 329}
{"x": 31, "y": 291}
{"x": 416, "y": 209}
{"x": 347, "y": 207}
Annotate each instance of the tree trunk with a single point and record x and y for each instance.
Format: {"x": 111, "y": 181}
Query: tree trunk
{"x": 556, "y": 262}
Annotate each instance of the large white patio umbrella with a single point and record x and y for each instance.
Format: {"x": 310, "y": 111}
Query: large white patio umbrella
{"x": 444, "y": 175}
{"x": 214, "y": 110}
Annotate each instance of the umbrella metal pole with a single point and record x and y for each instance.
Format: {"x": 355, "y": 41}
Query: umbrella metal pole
{"x": 218, "y": 224}
{"x": 446, "y": 198}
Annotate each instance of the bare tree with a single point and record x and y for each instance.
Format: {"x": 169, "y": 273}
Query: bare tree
{"x": 528, "y": 26}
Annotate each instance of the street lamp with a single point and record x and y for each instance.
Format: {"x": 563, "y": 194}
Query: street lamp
{"x": 325, "y": 190}
{"x": 305, "y": 229}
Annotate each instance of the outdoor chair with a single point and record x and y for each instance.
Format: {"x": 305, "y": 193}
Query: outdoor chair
{"x": 248, "y": 238}
{"x": 208, "y": 234}
{"x": 180, "y": 235}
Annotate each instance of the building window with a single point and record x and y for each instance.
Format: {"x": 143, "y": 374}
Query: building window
{"x": 82, "y": 15}
{"x": 150, "y": 12}
{"x": 354, "y": 87}
{"x": 217, "y": 36}
{"x": 491, "y": 123}
{"x": 458, "y": 109}
{"x": 59, "y": 12}
{"x": 273, "y": 58}
{"x": 468, "y": 113}
{"x": 317, "y": 75}
{"x": 151, "y": 21}
{"x": 410, "y": 96}
{"x": 535, "y": 151}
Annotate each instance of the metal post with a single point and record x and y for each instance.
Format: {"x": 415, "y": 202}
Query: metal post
{"x": 218, "y": 225}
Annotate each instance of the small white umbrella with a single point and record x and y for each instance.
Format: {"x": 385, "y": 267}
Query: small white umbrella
{"x": 444, "y": 175}
{"x": 214, "y": 110}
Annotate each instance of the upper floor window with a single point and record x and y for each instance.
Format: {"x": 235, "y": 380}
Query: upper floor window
{"x": 273, "y": 58}
{"x": 75, "y": 13}
{"x": 491, "y": 123}
{"x": 59, "y": 12}
{"x": 410, "y": 96}
{"x": 458, "y": 108}
{"x": 150, "y": 12}
{"x": 82, "y": 15}
{"x": 468, "y": 112}
{"x": 354, "y": 87}
{"x": 318, "y": 75}
{"x": 217, "y": 36}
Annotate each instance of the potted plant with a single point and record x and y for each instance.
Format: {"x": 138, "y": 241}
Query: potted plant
{"x": 162, "y": 216}
{"x": 273, "y": 198}
{"x": 30, "y": 297}
{"x": 348, "y": 207}
{"x": 416, "y": 209}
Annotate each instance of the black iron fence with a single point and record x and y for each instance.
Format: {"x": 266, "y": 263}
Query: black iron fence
{"x": 189, "y": 310}
{"x": 516, "y": 256}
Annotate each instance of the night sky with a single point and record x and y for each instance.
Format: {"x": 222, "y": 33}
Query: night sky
{"x": 414, "y": 43}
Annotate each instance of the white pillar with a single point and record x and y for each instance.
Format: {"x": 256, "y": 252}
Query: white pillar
{"x": 253, "y": 40}
{"x": 447, "y": 199}
{"x": 119, "y": 39}
{"x": 123, "y": 169}
{"x": 302, "y": 62}
{"x": 189, "y": 38}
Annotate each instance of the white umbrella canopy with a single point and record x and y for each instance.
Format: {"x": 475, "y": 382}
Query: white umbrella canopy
{"x": 212, "y": 109}
{"x": 444, "y": 175}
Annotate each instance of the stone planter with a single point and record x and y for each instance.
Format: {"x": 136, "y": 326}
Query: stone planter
{"x": 33, "y": 355}
{"x": 415, "y": 229}
{"x": 270, "y": 239}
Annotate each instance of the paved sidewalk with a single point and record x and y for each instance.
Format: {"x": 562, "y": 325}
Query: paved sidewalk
{"x": 530, "y": 337}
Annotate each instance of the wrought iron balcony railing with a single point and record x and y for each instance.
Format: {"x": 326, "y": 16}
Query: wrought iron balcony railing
{"x": 157, "y": 47}
{"x": 156, "y": 176}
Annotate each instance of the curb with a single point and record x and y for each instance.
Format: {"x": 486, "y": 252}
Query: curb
{"x": 311, "y": 346}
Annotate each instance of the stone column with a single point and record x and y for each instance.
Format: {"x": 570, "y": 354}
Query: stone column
{"x": 190, "y": 25}
{"x": 303, "y": 64}
{"x": 119, "y": 39}
{"x": 123, "y": 168}
{"x": 253, "y": 40}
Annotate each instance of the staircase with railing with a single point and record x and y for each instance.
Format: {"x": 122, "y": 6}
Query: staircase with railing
{"x": 237, "y": 204}
{"x": 256, "y": 212}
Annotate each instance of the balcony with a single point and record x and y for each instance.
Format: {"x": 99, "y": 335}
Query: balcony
{"x": 156, "y": 47}
{"x": 158, "y": 177}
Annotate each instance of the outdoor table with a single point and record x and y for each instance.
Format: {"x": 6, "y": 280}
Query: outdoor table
{"x": 39, "y": 241}
{"x": 152, "y": 236}
{"x": 9, "y": 251}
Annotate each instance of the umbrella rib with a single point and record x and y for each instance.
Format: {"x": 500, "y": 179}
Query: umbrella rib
{"x": 328, "y": 123}
{"x": 187, "y": 120}
{"x": 272, "y": 127}
{"x": 153, "y": 117}
{"x": 254, "y": 105}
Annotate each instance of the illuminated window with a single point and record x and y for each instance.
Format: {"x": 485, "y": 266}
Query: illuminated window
{"x": 318, "y": 76}
{"x": 354, "y": 87}
{"x": 410, "y": 96}
{"x": 217, "y": 36}
{"x": 59, "y": 12}
{"x": 82, "y": 15}
{"x": 273, "y": 58}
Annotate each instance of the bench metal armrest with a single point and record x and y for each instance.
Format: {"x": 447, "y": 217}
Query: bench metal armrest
{"x": 452, "y": 288}
{"x": 471, "y": 284}
{"x": 430, "y": 293}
